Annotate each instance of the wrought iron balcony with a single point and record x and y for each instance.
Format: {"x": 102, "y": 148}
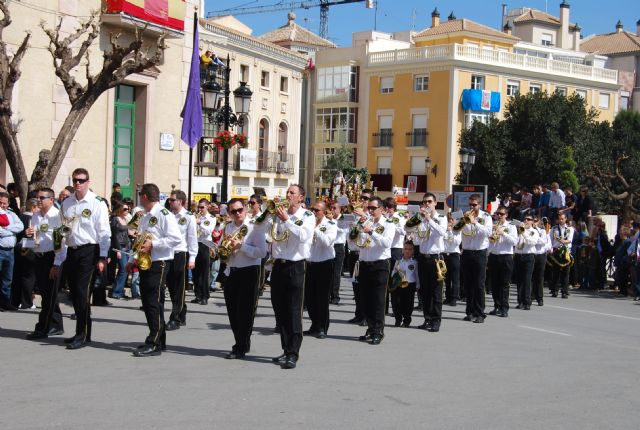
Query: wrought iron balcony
{"x": 417, "y": 138}
{"x": 383, "y": 139}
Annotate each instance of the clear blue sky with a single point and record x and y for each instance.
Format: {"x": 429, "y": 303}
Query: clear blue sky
{"x": 594, "y": 16}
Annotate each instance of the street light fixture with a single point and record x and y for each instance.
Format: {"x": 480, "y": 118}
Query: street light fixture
{"x": 468, "y": 159}
{"x": 223, "y": 116}
{"x": 427, "y": 167}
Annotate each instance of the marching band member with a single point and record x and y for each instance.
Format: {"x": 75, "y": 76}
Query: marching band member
{"x": 205, "y": 226}
{"x": 354, "y": 253}
{"x": 245, "y": 243}
{"x": 373, "y": 235}
{"x": 160, "y": 236}
{"x": 342, "y": 226}
{"x": 475, "y": 241}
{"x": 452, "y": 240}
{"x": 403, "y": 297}
{"x": 184, "y": 258}
{"x": 320, "y": 272}
{"x": 398, "y": 238}
{"x": 503, "y": 237}
{"x": 429, "y": 236}
{"x": 291, "y": 234}
{"x": 88, "y": 243}
{"x": 543, "y": 247}
{"x": 561, "y": 238}
{"x": 43, "y": 223}
{"x": 528, "y": 237}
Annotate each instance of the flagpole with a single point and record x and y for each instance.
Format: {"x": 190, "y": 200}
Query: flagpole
{"x": 190, "y": 183}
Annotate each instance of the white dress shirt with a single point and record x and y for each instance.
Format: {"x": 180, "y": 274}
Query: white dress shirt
{"x": 557, "y": 199}
{"x": 561, "y": 232}
{"x": 88, "y": 219}
{"x": 205, "y": 228}
{"x": 324, "y": 236}
{"x": 163, "y": 226}
{"x": 527, "y": 241}
{"x": 430, "y": 235}
{"x": 253, "y": 248}
{"x": 506, "y": 241}
{"x": 343, "y": 228}
{"x": 189, "y": 233}
{"x": 379, "y": 245}
{"x": 409, "y": 267}
{"x": 452, "y": 240}
{"x": 543, "y": 245}
{"x": 475, "y": 237}
{"x": 300, "y": 227}
{"x": 8, "y": 234}
{"x": 398, "y": 222}
{"x": 44, "y": 224}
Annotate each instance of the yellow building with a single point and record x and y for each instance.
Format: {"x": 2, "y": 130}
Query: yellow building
{"x": 416, "y": 92}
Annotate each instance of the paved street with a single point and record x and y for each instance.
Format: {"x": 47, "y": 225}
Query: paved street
{"x": 572, "y": 364}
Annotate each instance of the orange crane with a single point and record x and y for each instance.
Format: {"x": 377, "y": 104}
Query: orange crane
{"x": 322, "y": 4}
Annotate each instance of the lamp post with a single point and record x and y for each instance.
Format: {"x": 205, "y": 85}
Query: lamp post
{"x": 468, "y": 159}
{"x": 427, "y": 168}
{"x": 223, "y": 115}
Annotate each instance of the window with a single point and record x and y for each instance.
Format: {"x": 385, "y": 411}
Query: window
{"x": 417, "y": 165}
{"x": 284, "y": 84}
{"x": 263, "y": 143}
{"x": 386, "y": 84}
{"x": 562, "y": 91}
{"x": 385, "y": 133}
{"x": 604, "y": 100}
{"x": 535, "y": 88}
{"x": 471, "y": 116}
{"x": 264, "y": 79}
{"x": 384, "y": 165}
{"x": 513, "y": 88}
{"x": 547, "y": 39}
{"x": 336, "y": 125}
{"x": 421, "y": 83}
{"x": 624, "y": 100}
{"x": 582, "y": 93}
{"x": 418, "y": 135}
{"x": 244, "y": 73}
{"x": 477, "y": 82}
{"x": 337, "y": 84}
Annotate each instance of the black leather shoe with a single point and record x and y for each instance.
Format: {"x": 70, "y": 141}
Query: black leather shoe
{"x": 495, "y": 312}
{"x": 565, "y": 296}
{"x": 355, "y": 320}
{"x": 77, "y": 344}
{"x": 69, "y": 339}
{"x": 425, "y": 325}
{"x": 277, "y": 329}
{"x": 519, "y": 306}
{"x": 279, "y": 359}
{"x": 540, "y": 303}
{"x": 55, "y": 332}
{"x": 234, "y": 356}
{"x": 73, "y": 317}
{"x": 203, "y": 302}
{"x": 434, "y": 328}
{"x": 321, "y": 335}
{"x": 310, "y": 332}
{"x": 526, "y": 307}
{"x": 172, "y": 325}
{"x": 290, "y": 362}
{"x": 36, "y": 335}
{"x": 503, "y": 314}
{"x": 183, "y": 323}
{"x": 195, "y": 301}
{"x": 363, "y": 323}
{"x": 554, "y": 294}
{"x": 398, "y": 323}
{"x": 477, "y": 320}
{"x": 147, "y": 351}
{"x": 366, "y": 337}
{"x": 376, "y": 339}
{"x": 406, "y": 324}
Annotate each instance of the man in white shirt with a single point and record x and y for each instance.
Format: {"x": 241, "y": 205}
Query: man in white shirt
{"x": 398, "y": 239}
{"x": 556, "y": 201}
{"x": 43, "y": 223}
{"x": 452, "y": 240}
{"x": 319, "y": 272}
{"x": 184, "y": 258}
{"x": 165, "y": 237}
{"x": 248, "y": 247}
{"x": 205, "y": 225}
{"x": 10, "y": 227}
{"x": 88, "y": 243}
{"x": 291, "y": 236}
{"x": 339, "y": 248}
{"x": 528, "y": 237}
{"x": 500, "y": 263}
{"x": 561, "y": 239}
{"x": 543, "y": 246}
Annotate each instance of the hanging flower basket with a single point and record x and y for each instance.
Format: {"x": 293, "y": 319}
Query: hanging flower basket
{"x": 226, "y": 140}
{"x": 241, "y": 140}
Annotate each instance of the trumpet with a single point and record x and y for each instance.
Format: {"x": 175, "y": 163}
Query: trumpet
{"x": 142, "y": 259}
{"x": 497, "y": 232}
{"x": 62, "y": 232}
{"x": 355, "y": 231}
{"x": 270, "y": 209}
{"x": 225, "y": 249}
{"x": 466, "y": 219}
{"x": 416, "y": 219}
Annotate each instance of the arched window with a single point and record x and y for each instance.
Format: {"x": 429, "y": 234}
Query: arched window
{"x": 263, "y": 143}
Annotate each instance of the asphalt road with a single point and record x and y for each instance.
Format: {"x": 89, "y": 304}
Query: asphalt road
{"x": 572, "y": 364}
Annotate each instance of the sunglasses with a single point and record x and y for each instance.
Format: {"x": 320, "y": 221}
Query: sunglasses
{"x": 171, "y": 200}
{"x": 125, "y": 209}
{"x": 236, "y": 211}
{"x": 79, "y": 180}
{"x": 364, "y": 198}
{"x": 253, "y": 203}
{"x": 202, "y": 207}
{"x": 44, "y": 197}
{"x": 528, "y": 219}
{"x": 473, "y": 205}
{"x": 316, "y": 210}
{"x": 501, "y": 214}
{"x": 372, "y": 208}
{"x": 427, "y": 201}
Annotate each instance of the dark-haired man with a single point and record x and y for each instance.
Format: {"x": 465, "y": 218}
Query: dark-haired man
{"x": 205, "y": 226}
{"x": 10, "y": 227}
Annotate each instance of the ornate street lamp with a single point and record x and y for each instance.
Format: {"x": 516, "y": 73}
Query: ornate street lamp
{"x": 427, "y": 168}
{"x": 468, "y": 159}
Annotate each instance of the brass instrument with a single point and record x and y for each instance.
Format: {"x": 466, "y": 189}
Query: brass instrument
{"x": 546, "y": 224}
{"x": 398, "y": 279}
{"x": 134, "y": 222}
{"x": 62, "y": 232}
{"x": 355, "y": 231}
{"x": 142, "y": 259}
{"x": 497, "y": 232}
{"x": 466, "y": 219}
{"x": 225, "y": 249}
{"x": 270, "y": 209}
{"x": 441, "y": 270}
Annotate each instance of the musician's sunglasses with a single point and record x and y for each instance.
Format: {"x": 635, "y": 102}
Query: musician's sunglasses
{"x": 372, "y": 208}
{"x": 427, "y": 201}
{"x": 79, "y": 180}
{"x": 473, "y": 205}
{"x": 236, "y": 211}
{"x": 501, "y": 213}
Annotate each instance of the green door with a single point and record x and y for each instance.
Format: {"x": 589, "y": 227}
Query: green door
{"x": 123, "y": 145}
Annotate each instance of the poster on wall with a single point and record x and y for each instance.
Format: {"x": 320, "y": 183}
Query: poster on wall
{"x": 248, "y": 159}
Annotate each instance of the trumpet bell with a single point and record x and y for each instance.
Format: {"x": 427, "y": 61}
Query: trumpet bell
{"x": 273, "y": 205}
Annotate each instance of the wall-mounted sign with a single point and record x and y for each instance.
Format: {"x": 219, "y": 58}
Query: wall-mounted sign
{"x": 167, "y": 142}
{"x": 248, "y": 159}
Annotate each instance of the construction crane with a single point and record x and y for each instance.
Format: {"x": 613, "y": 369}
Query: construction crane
{"x": 322, "y": 4}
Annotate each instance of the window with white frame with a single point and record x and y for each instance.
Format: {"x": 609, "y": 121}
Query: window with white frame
{"x": 419, "y": 130}
{"x": 284, "y": 84}
{"x": 244, "y": 73}
{"x": 513, "y": 88}
{"x": 385, "y": 130}
{"x": 582, "y": 93}
{"x": 625, "y": 97}
{"x": 264, "y": 79}
{"x": 386, "y": 84}
{"x": 477, "y": 82}
{"x": 472, "y": 116}
{"x": 336, "y": 125}
{"x": 337, "y": 84}
{"x": 535, "y": 88}
{"x": 417, "y": 165}
{"x": 604, "y": 100}
{"x": 384, "y": 165}
{"x": 421, "y": 83}
{"x": 562, "y": 91}
{"x": 547, "y": 39}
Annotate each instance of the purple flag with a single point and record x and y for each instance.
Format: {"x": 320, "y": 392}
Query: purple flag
{"x": 192, "y": 110}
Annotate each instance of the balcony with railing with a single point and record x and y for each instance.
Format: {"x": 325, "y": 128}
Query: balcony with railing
{"x": 417, "y": 138}
{"x": 383, "y": 138}
{"x": 269, "y": 162}
{"x": 505, "y": 59}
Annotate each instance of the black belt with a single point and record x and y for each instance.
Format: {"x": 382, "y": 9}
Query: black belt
{"x": 475, "y": 251}
{"x": 372, "y": 263}
{"x": 43, "y": 254}
{"x": 86, "y": 245}
{"x": 283, "y": 261}
{"x": 6, "y": 248}
{"x": 237, "y": 269}
{"x": 430, "y": 255}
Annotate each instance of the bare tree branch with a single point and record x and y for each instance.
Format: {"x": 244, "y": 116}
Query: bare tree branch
{"x": 618, "y": 174}
{"x": 6, "y": 18}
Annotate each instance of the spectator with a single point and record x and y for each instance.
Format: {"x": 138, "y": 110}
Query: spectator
{"x": 634, "y": 261}
{"x": 556, "y": 202}
{"x": 12, "y": 189}
{"x": 526, "y": 200}
{"x": 121, "y": 246}
{"x": 10, "y": 227}
{"x": 24, "y": 277}
{"x": 535, "y": 200}
{"x": 585, "y": 206}
{"x": 581, "y": 232}
{"x": 66, "y": 192}
{"x": 587, "y": 258}
{"x": 116, "y": 195}
{"x": 569, "y": 204}
{"x": 621, "y": 260}
{"x": 545, "y": 196}
{"x": 602, "y": 245}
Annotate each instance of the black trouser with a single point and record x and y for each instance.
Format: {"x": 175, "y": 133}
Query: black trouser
{"x": 24, "y": 279}
{"x": 560, "y": 279}
{"x": 151, "y": 292}
{"x": 337, "y": 270}
{"x": 358, "y": 292}
{"x": 240, "y": 290}
{"x": 100, "y": 282}
{"x": 176, "y": 281}
{"x": 317, "y": 292}
{"x": 79, "y": 268}
{"x": 201, "y": 272}
{"x": 372, "y": 279}
{"x": 50, "y": 315}
{"x": 537, "y": 281}
{"x": 501, "y": 267}
{"x": 474, "y": 267}
{"x": 287, "y": 296}
{"x": 396, "y": 254}
{"x": 402, "y": 302}
{"x": 524, "y": 272}
{"x": 352, "y": 258}
{"x": 430, "y": 287}
{"x": 452, "y": 280}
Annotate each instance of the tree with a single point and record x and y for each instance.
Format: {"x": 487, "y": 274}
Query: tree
{"x": 340, "y": 160}
{"x": 67, "y": 55}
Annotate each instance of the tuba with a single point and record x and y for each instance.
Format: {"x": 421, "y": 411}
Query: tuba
{"x": 225, "y": 246}
{"x": 142, "y": 259}
{"x": 134, "y": 222}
